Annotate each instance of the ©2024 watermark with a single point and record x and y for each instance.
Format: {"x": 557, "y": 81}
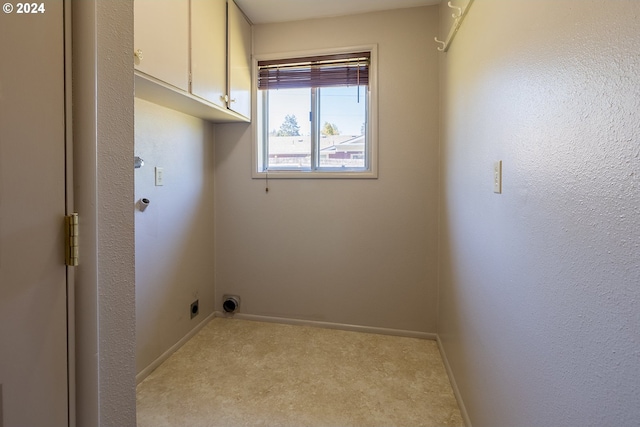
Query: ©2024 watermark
{"x": 24, "y": 8}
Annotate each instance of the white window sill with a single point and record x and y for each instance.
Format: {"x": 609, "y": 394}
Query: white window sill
{"x": 288, "y": 174}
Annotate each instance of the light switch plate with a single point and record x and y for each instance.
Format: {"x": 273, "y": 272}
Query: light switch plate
{"x": 497, "y": 177}
{"x": 159, "y": 176}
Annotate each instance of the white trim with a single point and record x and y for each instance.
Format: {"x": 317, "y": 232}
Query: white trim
{"x": 164, "y": 356}
{"x": 372, "y": 135}
{"x": 330, "y": 325}
{"x": 69, "y": 208}
{"x": 454, "y": 385}
{"x": 285, "y": 174}
{"x": 84, "y": 52}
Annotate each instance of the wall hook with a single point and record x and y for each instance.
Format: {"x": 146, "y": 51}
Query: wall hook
{"x": 457, "y": 21}
{"x": 458, "y": 13}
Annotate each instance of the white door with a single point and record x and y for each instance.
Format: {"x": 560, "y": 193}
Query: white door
{"x": 33, "y": 295}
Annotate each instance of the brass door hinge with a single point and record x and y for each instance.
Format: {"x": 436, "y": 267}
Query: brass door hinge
{"x": 71, "y": 241}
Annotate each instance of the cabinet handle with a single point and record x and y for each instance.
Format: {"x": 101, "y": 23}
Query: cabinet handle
{"x": 138, "y": 54}
{"x": 226, "y": 99}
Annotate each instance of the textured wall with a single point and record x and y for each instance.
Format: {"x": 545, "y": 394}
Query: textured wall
{"x": 174, "y": 235}
{"x": 103, "y": 191}
{"x": 347, "y": 251}
{"x": 539, "y": 293}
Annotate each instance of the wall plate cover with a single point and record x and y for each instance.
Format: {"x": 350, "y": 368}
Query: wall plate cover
{"x": 497, "y": 177}
{"x": 159, "y": 176}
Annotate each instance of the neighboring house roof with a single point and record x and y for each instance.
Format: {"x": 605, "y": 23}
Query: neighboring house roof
{"x": 288, "y": 145}
{"x": 355, "y": 143}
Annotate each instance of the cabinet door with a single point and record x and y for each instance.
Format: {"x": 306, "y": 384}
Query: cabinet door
{"x": 209, "y": 50}
{"x": 161, "y": 35}
{"x": 239, "y": 61}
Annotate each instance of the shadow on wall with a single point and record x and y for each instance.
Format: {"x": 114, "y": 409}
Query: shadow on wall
{"x": 175, "y": 234}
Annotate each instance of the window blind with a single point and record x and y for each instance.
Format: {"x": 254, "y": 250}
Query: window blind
{"x": 348, "y": 69}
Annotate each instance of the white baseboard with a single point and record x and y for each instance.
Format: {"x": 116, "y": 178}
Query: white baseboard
{"x": 454, "y": 385}
{"x": 164, "y": 356}
{"x": 329, "y": 325}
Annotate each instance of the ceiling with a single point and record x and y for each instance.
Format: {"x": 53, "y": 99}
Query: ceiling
{"x": 266, "y": 11}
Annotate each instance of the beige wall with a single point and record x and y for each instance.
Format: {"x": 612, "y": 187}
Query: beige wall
{"x": 359, "y": 252}
{"x": 103, "y": 191}
{"x": 174, "y": 235}
{"x": 539, "y": 286}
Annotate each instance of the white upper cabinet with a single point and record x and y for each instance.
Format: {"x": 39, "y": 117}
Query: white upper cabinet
{"x": 194, "y": 56}
{"x": 161, "y": 40}
{"x": 209, "y": 50}
{"x": 239, "y": 61}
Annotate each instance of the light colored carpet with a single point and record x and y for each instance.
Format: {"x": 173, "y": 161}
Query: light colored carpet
{"x": 244, "y": 373}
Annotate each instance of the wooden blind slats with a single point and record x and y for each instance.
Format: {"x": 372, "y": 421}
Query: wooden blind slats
{"x": 318, "y": 71}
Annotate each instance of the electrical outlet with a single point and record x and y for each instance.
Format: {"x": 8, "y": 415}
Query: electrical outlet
{"x": 195, "y": 309}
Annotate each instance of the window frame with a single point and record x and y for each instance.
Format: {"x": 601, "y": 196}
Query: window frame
{"x": 258, "y": 132}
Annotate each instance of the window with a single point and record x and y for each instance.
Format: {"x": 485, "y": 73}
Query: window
{"x": 316, "y": 115}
